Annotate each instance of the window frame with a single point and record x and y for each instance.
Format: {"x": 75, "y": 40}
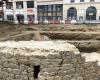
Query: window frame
{"x": 72, "y": 1}
{"x": 30, "y": 5}
{"x": 21, "y": 3}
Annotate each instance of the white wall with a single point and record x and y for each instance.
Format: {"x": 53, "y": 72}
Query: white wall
{"x": 97, "y": 0}
{"x": 23, "y": 11}
{"x": 0, "y": 8}
{"x": 78, "y": 1}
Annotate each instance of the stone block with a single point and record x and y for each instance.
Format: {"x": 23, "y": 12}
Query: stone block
{"x": 31, "y": 78}
{"x": 9, "y": 78}
{"x": 34, "y": 61}
{"x": 8, "y": 56}
{"x": 62, "y": 73}
{"x": 11, "y": 75}
{"x": 67, "y": 77}
{"x": 50, "y": 78}
{"x": 16, "y": 71}
{"x": 1, "y": 75}
{"x": 12, "y": 60}
{"x": 23, "y": 61}
{"x": 17, "y": 76}
{"x": 52, "y": 69}
{"x": 5, "y": 65}
{"x": 67, "y": 61}
{"x": 57, "y": 78}
{"x": 54, "y": 61}
{"x": 5, "y": 75}
{"x": 66, "y": 66}
{"x": 79, "y": 78}
{"x": 42, "y": 78}
{"x": 54, "y": 56}
{"x": 71, "y": 71}
{"x": 30, "y": 69}
{"x": 51, "y": 63}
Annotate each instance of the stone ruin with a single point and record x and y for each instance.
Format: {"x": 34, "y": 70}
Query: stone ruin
{"x": 44, "y": 60}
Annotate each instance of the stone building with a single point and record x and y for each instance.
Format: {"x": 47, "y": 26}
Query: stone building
{"x": 30, "y": 11}
{"x": 32, "y": 60}
{"x": 22, "y": 11}
{"x": 87, "y": 10}
{"x": 1, "y": 13}
{"x": 80, "y": 10}
{"x": 50, "y": 10}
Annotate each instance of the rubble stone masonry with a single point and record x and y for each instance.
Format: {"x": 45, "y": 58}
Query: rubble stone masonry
{"x": 63, "y": 66}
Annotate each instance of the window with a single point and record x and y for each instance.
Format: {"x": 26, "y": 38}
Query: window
{"x": 81, "y": 0}
{"x": 45, "y": 8}
{"x": 91, "y": 13}
{"x": 91, "y": 0}
{"x": 81, "y": 18}
{"x": 54, "y": 7}
{"x": 72, "y": 1}
{"x": 59, "y": 7}
{"x": 20, "y": 18}
{"x": 49, "y": 7}
{"x": 99, "y": 17}
{"x": 19, "y": 5}
{"x": 9, "y": 5}
{"x": 30, "y": 4}
{"x": 30, "y": 17}
{"x": 72, "y": 13}
{"x": 40, "y": 8}
{"x": 10, "y": 17}
{"x": 50, "y": 12}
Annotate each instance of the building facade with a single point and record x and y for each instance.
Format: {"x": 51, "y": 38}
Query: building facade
{"x": 23, "y": 11}
{"x": 1, "y": 13}
{"x": 81, "y": 10}
{"x": 50, "y": 10}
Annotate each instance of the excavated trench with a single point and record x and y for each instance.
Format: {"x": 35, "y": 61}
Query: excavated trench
{"x": 87, "y": 46}
{"x": 84, "y": 41}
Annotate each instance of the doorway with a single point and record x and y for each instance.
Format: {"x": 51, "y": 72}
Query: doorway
{"x": 91, "y": 13}
{"x": 72, "y": 13}
{"x": 36, "y": 71}
{"x": 20, "y": 18}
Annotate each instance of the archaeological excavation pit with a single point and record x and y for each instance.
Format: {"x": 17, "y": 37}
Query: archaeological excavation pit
{"x": 45, "y": 60}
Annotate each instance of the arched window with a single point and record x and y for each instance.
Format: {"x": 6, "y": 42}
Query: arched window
{"x": 72, "y": 13}
{"x": 91, "y": 13}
